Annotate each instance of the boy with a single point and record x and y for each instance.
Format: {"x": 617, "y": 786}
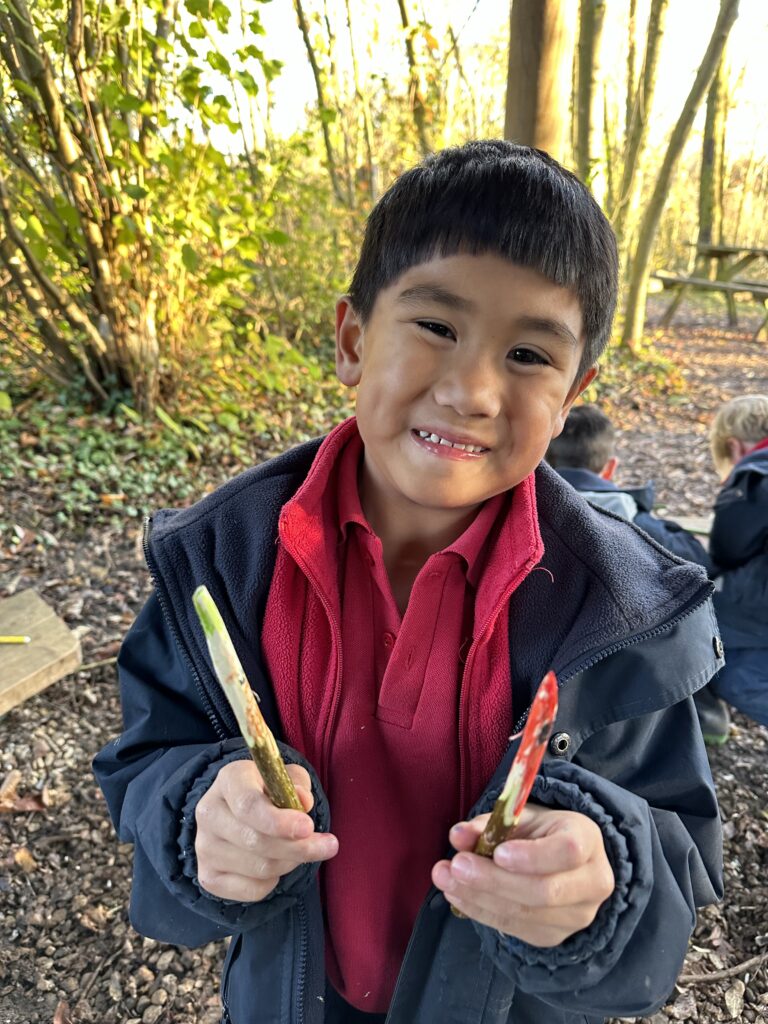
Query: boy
{"x": 739, "y": 546}
{"x": 396, "y": 633}
{"x": 584, "y": 454}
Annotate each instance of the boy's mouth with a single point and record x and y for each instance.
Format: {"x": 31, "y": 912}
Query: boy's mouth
{"x": 446, "y": 442}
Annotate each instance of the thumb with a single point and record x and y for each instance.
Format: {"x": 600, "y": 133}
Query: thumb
{"x": 303, "y": 783}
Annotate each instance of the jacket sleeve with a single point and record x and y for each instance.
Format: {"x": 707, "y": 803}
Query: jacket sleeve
{"x": 740, "y": 527}
{"x": 152, "y": 776}
{"x": 662, "y": 835}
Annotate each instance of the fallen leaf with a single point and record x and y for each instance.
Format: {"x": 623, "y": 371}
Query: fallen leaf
{"x": 734, "y": 999}
{"x": 95, "y": 919}
{"x": 25, "y": 860}
{"x": 62, "y": 1014}
{"x": 11, "y": 802}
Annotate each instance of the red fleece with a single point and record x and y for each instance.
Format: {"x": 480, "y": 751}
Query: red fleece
{"x": 404, "y": 719}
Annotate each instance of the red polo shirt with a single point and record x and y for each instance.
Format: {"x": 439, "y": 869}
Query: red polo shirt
{"x": 404, "y": 717}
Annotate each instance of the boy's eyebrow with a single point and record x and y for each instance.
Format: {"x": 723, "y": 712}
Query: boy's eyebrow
{"x": 434, "y": 293}
{"x": 546, "y": 325}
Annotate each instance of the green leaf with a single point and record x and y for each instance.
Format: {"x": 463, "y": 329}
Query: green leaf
{"x": 327, "y": 116}
{"x": 221, "y": 15}
{"x": 136, "y": 191}
{"x": 219, "y": 62}
{"x": 128, "y": 103}
{"x": 6, "y": 405}
{"x": 229, "y": 422}
{"x": 277, "y": 237}
{"x": 248, "y": 82}
{"x": 189, "y": 258}
{"x": 23, "y": 87}
{"x": 163, "y": 416}
{"x": 200, "y": 7}
{"x": 197, "y": 30}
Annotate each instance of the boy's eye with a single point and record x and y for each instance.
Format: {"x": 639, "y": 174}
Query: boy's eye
{"x": 435, "y": 328}
{"x": 528, "y": 356}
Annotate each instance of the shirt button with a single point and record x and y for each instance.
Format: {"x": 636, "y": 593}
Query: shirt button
{"x": 389, "y": 640}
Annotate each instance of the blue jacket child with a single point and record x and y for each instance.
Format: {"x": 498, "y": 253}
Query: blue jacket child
{"x": 482, "y": 300}
{"x": 584, "y": 454}
{"x": 739, "y": 547}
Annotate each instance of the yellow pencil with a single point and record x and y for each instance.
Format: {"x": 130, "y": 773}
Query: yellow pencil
{"x": 15, "y": 639}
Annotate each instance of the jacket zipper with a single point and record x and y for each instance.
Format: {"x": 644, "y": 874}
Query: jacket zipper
{"x": 593, "y": 659}
{"x": 302, "y": 971}
{"x": 219, "y": 718}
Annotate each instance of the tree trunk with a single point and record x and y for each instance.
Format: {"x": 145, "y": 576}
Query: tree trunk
{"x": 590, "y": 151}
{"x": 712, "y": 167}
{"x": 323, "y": 108}
{"x": 624, "y": 213}
{"x": 419, "y": 108}
{"x": 541, "y": 38}
{"x": 634, "y": 314}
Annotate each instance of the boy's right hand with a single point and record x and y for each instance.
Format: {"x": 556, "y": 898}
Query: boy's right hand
{"x": 244, "y": 843}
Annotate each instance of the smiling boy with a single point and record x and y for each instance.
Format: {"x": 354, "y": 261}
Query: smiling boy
{"x": 396, "y": 633}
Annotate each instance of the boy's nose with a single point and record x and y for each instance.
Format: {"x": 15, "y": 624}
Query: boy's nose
{"x": 471, "y": 386}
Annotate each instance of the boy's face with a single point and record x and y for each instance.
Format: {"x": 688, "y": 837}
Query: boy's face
{"x": 471, "y": 350}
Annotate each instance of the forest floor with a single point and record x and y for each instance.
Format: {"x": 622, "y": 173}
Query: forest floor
{"x": 68, "y": 954}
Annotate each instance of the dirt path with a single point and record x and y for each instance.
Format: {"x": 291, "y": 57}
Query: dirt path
{"x": 63, "y": 920}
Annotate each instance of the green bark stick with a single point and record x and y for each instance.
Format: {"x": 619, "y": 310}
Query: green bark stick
{"x": 242, "y": 700}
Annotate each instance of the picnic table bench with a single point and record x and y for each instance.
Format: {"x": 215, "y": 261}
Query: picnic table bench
{"x": 731, "y": 262}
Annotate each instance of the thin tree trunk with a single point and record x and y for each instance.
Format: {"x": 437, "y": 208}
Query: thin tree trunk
{"x": 634, "y": 315}
{"x": 323, "y": 108}
{"x": 417, "y": 100}
{"x": 712, "y": 161}
{"x": 541, "y": 38}
{"x": 590, "y": 152}
{"x": 626, "y": 202}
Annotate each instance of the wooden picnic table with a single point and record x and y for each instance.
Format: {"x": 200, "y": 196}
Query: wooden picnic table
{"x": 731, "y": 263}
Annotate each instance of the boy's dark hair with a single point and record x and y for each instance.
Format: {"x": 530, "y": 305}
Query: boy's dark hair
{"x": 495, "y": 196}
{"x": 586, "y": 440}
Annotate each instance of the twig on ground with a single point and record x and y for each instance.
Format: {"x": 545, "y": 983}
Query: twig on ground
{"x": 727, "y": 972}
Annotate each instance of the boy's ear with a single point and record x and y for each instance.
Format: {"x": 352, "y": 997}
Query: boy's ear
{"x": 349, "y": 347}
{"x": 579, "y": 385}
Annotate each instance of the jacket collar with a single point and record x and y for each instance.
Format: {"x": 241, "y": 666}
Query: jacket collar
{"x": 601, "y": 585}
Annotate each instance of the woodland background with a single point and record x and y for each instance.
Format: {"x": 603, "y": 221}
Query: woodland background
{"x": 183, "y": 188}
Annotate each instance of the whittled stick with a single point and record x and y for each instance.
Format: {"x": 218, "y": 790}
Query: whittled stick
{"x": 242, "y": 700}
{"x": 508, "y": 808}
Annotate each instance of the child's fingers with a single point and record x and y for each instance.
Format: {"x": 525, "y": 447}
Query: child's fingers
{"x": 241, "y": 787}
{"x": 216, "y": 824}
{"x": 564, "y": 850}
{"x": 464, "y": 834}
{"x": 303, "y": 783}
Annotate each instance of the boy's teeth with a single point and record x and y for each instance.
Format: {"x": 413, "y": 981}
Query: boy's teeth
{"x": 436, "y": 439}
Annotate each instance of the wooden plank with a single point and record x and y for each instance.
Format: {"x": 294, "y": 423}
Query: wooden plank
{"x": 758, "y": 290}
{"x": 54, "y": 650}
{"x": 700, "y": 525}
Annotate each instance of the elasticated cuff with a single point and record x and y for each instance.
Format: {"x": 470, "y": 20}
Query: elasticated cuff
{"x": 290, "y": 886}
{"x": 589, "y": 942}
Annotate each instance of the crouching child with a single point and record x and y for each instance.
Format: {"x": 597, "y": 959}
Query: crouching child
{"x": 395, "y": 592}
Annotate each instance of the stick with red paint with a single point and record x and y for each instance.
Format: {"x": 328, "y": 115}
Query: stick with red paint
{"x": 512, "y": 799}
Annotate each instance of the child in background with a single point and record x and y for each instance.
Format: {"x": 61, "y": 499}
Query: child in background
{"x": 739, "y": 546}
{"x": 395, "y": 592}
{"x": 584, "y": 454}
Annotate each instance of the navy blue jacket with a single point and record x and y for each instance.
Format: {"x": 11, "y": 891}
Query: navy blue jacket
{"x": 666, "y": 532}
{"x": 630, "y": 631}
{"x": 739, "y": 546}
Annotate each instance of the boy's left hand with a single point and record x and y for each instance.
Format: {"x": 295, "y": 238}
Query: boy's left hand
{"x": 542, "y": 886}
